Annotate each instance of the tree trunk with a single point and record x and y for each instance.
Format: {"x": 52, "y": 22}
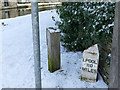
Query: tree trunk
{"x": 114, "y": 78}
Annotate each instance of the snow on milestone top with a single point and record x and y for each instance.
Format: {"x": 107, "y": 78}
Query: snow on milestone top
{"x": 53, "y": 30}
{"x": 93, "y": 49}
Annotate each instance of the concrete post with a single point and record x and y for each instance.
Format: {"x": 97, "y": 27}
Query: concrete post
{"x": 53, "y": 44}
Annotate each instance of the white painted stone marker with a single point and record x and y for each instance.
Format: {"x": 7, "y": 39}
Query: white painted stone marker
{"x": 90, "y": 64}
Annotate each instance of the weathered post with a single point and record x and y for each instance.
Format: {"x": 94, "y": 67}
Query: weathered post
{"x": 90, "y": 64}
{"x": 114, "y": 79}
{"x": 36, "y": 42}
{"x": 53, "y": 44}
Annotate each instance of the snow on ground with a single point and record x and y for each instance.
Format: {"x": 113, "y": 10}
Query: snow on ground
{"x": 18, "y": 62}
{"x": 0, "y": 57}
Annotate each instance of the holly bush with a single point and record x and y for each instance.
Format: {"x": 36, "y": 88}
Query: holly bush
{"x": 83, "y": 24}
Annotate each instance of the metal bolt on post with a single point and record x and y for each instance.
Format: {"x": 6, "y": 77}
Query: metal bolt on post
{"x": 36, "y": 43}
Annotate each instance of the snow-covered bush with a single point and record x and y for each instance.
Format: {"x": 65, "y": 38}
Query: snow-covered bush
{"x": 85, "y": 23}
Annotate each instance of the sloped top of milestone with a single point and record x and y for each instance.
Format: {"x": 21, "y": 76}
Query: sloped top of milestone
{"x": 93, "y": 49}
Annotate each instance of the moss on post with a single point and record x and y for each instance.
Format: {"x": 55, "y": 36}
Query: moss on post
{"x": 49, "y": 64}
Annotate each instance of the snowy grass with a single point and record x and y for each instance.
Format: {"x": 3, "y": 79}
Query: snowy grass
{"x": 18, "y": 62}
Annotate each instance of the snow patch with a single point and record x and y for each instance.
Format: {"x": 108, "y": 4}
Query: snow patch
{"x": 18, "y": 61}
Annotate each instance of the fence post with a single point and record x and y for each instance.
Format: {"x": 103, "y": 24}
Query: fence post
{"x": 53, "y": 44}
{"x": 114, "y": 78}
{"x": 36, "y": 42}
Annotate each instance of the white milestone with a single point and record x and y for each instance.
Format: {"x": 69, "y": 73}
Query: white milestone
{"x": 90, "y": 64}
